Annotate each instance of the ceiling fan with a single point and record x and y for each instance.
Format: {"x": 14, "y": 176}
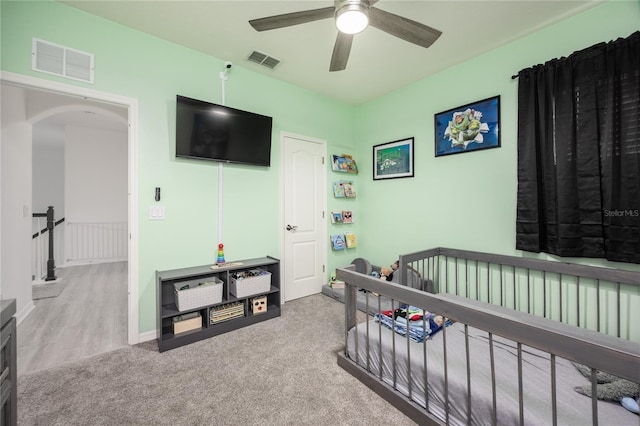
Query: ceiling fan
{"x": 352, "y": 17}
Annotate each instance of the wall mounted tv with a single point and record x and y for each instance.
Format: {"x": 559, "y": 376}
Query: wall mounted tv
{"x": 219, "y": 133}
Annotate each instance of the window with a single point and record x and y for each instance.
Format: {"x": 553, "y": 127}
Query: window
{"x": 579, "y": 154}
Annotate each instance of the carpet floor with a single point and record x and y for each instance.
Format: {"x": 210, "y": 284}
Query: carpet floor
{"x": 279, "y": 372}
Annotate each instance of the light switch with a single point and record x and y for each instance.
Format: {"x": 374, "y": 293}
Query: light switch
{"x": 156, "y": 213}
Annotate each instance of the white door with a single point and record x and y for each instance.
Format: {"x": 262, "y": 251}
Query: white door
{"x": 304, "y": 225}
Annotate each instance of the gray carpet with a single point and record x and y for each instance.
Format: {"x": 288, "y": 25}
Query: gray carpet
{"x": 47, "y": 290}
{"x": 279, "y": 372}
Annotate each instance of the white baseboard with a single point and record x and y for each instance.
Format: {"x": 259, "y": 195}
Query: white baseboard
{"x": 149, "y": 335}
{"x": 82, "y": 262}
{"x": 20, "y": 316}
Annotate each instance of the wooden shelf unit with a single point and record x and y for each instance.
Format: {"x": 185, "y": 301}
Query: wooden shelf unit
{"x": 167, "y": 308}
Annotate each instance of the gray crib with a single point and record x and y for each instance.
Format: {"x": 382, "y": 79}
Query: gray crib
{"x": 524, "y": 334}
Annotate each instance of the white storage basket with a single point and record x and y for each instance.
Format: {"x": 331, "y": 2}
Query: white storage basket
{"x": 257, "y": 281}
{"x": 200, "y": 293}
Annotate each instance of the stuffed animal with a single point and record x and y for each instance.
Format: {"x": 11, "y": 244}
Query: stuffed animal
{"x": 609, "y": 387}
{"x": 386, "y": 274}
{"x": 439, "y": 320}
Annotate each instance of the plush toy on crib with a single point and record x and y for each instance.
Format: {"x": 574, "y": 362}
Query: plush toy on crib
{"x": 386, "y": 274}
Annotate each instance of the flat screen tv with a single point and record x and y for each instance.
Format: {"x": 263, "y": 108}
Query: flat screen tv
{"x": 214, "y": 132}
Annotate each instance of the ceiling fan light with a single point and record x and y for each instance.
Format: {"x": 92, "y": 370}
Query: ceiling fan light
{"x": 352, "y": 18}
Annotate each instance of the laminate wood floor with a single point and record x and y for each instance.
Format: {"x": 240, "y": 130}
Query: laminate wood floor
{"x": 88, "y": 318}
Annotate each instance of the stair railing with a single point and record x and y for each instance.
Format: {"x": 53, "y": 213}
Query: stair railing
{"x": 38, "y": 246}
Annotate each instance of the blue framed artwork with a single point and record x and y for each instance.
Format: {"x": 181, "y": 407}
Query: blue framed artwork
{"x": 393, "y": 159}
{"x": 470, "y": 127}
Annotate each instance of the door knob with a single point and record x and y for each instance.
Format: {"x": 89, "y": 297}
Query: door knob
{"x": 291, "y": 228}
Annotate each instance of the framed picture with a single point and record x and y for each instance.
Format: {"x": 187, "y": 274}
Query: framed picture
{"x": 393, "y": 159}
{"x": 470, "y": 127}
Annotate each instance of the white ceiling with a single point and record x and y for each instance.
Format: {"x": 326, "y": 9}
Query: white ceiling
{"x": 379, "y": 63}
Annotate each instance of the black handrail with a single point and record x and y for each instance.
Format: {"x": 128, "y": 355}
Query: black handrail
{"x": 51, "y": 263}
{"x": 43, "y": 230}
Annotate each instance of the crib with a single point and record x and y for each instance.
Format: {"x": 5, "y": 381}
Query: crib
{"x": 523, "y": 335}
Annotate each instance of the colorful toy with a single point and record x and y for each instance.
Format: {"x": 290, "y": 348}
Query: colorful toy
{"x": 220, "y": 254}
{"x": 259, "y": 305}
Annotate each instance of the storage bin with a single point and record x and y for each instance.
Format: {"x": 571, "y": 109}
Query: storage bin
{"x": 181, "y": 325}
{"x": 250, "y": 282}
{"x": 198, "y": 293}
{"x": 226, "y": 312}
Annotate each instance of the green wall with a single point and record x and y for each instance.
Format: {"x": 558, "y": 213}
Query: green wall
{"x": 464, "y": 201}
{"x": 153, "y": 71}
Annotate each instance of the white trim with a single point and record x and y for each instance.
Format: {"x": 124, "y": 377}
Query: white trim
{"x": 133, "y": 265}
{"x": 78, "y": 107}
{"x": 148, "y": 336}
{"x": 132, "y": 106}
{"x": 283, "y": 261}
{"x": 21, "y": 315}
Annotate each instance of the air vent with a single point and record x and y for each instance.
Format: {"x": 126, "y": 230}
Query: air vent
{"x": 263, "y": 59}
{"x": 59, "y": 60}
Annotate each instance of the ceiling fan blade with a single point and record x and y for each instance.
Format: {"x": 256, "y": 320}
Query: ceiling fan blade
{"x": 406, "y": 29}
{"x": 341, "y": 51}
{"x": 289, "y": 19}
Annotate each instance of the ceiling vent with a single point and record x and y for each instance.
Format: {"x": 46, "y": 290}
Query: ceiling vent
{"x": 263, "y": 59}
{"x": 59, "y": 60}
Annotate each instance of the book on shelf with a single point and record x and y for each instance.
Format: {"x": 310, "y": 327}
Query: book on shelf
{"x": 344, "y": 163}
{"x": 347, "y": 216}
{"x": 337, "y": 242}
{"x": 344, "y": 188}
{"x": 336, "y": 217}
{"x": 350, "y": 240}
{"x": 349, "y": 189}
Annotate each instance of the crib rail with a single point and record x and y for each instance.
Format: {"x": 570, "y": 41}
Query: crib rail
{"x": 596, "y": 350}
{"x": 594, "y": 298}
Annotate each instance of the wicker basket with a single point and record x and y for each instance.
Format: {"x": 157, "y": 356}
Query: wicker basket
{"x": 241, "y": 286}
{"x": 198, "y": 294}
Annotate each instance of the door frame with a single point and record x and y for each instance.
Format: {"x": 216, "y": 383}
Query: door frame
{"x": 133, "y": 335}
{"x": 284, "y": 261}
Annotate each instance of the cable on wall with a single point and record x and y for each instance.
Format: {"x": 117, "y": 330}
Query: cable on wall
{"x": 224, "y": 76}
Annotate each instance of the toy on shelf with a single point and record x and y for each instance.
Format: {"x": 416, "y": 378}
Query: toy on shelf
{"x": 220, "y": 254}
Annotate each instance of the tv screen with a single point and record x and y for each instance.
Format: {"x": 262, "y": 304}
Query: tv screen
{"x": 215, "y": 132}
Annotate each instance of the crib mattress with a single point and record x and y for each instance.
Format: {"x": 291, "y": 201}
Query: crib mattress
{"x": 409, "y": 373}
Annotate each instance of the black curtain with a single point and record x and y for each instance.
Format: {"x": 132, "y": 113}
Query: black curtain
{"x": 579, "y": 154}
